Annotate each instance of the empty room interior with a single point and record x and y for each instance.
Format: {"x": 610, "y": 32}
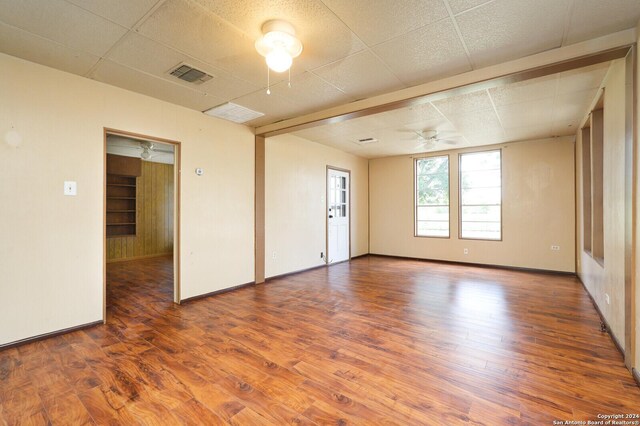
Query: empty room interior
{"x": 319, "y": 212}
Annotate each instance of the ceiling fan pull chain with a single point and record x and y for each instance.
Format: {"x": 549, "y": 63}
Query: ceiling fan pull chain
{"x": 289, "y": 84}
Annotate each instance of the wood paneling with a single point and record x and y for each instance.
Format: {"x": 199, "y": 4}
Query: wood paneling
{"x": 154, "y": 216}
{"x": 123, "y": 166}
{"x": 371, "y": 341}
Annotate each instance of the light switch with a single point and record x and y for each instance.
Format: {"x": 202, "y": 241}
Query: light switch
{"x": 70, "y": 187}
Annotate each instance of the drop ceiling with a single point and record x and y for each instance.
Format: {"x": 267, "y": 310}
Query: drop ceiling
{"x": 352, "y": 49}
{"x": 544, "y": 107}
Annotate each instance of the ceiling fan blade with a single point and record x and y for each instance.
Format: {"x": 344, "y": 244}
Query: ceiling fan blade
{"x": 448, "y": 141}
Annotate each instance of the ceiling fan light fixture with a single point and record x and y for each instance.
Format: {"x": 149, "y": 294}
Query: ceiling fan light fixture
{"x": 278, "y": 44}
{"x": 279, "y": 60}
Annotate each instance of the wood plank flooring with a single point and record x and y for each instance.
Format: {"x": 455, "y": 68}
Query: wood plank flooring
{"x": 374, "y": 341}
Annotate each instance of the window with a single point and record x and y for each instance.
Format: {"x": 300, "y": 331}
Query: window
{"x": 481, "y": 195}
{"x": 432, "y": 197}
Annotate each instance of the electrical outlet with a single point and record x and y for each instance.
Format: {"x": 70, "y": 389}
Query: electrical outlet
{"x": 555, "y": 248}
{"x": 273, "y": 256}
{"x": 606, "y": 297}
{"x": 466, "y": 251}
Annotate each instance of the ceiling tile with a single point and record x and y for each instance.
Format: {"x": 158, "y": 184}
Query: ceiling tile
{"x": 538, "y": 131}
{"x": 62, "y": 22}
{"x": 25, "y": 45}
{"x": 350, "y": 128}
{"x": 190, "y": 29}
{"x": 529, "y": 90}
{"x": 421, "y": 117}
{"x": 425, "y": 54}
{"x": 325, "y": 37}
{"x": 360, "y": 75}
{"x": 595, "y": 18}
{"x": 311, "y": 91}
{"x": 458, "y": 6}
{"x": 483, "y": 121}
{"x": 338, "y": 143}
{"x": 121, "y": 76}
{"x": 570, "y": 109}
{"x": 143, "y": 54}
{"x": 582, "y": 78}
{"x": 314, "y": 133}
{"x": 509, "y": 29}
{"x": 464, "y": 104}
{"x": 123, "y": 12}
{"x": 526, "y": 114}
{"x": 273, "y": 106}
{"x": 378, "y": 21}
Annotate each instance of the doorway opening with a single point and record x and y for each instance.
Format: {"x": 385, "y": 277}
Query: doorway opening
{"x": 141, "y": 217}
{"x": 338, "y": 215}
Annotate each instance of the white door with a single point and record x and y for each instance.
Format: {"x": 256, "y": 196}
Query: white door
{"x": 338, "y": 212}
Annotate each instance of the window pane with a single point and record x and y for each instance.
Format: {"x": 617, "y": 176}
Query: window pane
{"x": 481, "y": 195}
{"x": 481, "y": 230}
{"x": 433, "y": 213}
{"x": 433, "y": 229}
{"x": 476, "y": 161}
{"x": 483, "y": 178}
{"x": 481, "y": 214}
{"x": 433, "y": 165}
{"x": 432, "y": 196}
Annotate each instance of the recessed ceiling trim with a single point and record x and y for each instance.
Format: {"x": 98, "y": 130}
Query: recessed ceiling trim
{"x": 603, "y": 49}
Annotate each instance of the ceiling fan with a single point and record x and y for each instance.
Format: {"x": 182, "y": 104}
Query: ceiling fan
{"x": 149, "y": 150}
{"x": 430, "y": 137}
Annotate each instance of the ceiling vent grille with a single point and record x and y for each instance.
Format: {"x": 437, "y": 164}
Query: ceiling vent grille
{"x": 233, "y": 112}
{"x": 190, "y": 75}
{"x": 366, "y": 141}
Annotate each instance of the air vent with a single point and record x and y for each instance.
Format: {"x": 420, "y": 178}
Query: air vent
{"x": 233, "y": 112}
{"x": 366, "y": 141}
{"x": 190, "y": 75}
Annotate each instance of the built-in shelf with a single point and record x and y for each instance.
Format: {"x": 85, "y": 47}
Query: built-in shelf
{"x": 121, "y": 205}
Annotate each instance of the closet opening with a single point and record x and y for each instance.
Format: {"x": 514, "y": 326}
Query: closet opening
{"x": 141, "y": 218}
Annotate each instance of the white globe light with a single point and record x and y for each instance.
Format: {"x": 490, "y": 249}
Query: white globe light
{"x": 13, "y": 138}
{"x": 279, "y": 60}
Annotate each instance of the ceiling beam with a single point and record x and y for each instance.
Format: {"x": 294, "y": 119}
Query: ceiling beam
{"x": 603, "y": 49}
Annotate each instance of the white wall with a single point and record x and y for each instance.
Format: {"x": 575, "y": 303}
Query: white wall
{"x": 295, "y": 188}
{"x": 537, "y": 208}
{"x": 608, "y": 279}
{"x": 51, "y": 246}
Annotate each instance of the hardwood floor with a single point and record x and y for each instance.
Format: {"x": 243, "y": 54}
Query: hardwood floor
{"x": 374, "y": 341}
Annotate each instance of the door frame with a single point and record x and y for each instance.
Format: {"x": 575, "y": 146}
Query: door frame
{"x": 176, "y": 208}
{"x": 326, "y": 211}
